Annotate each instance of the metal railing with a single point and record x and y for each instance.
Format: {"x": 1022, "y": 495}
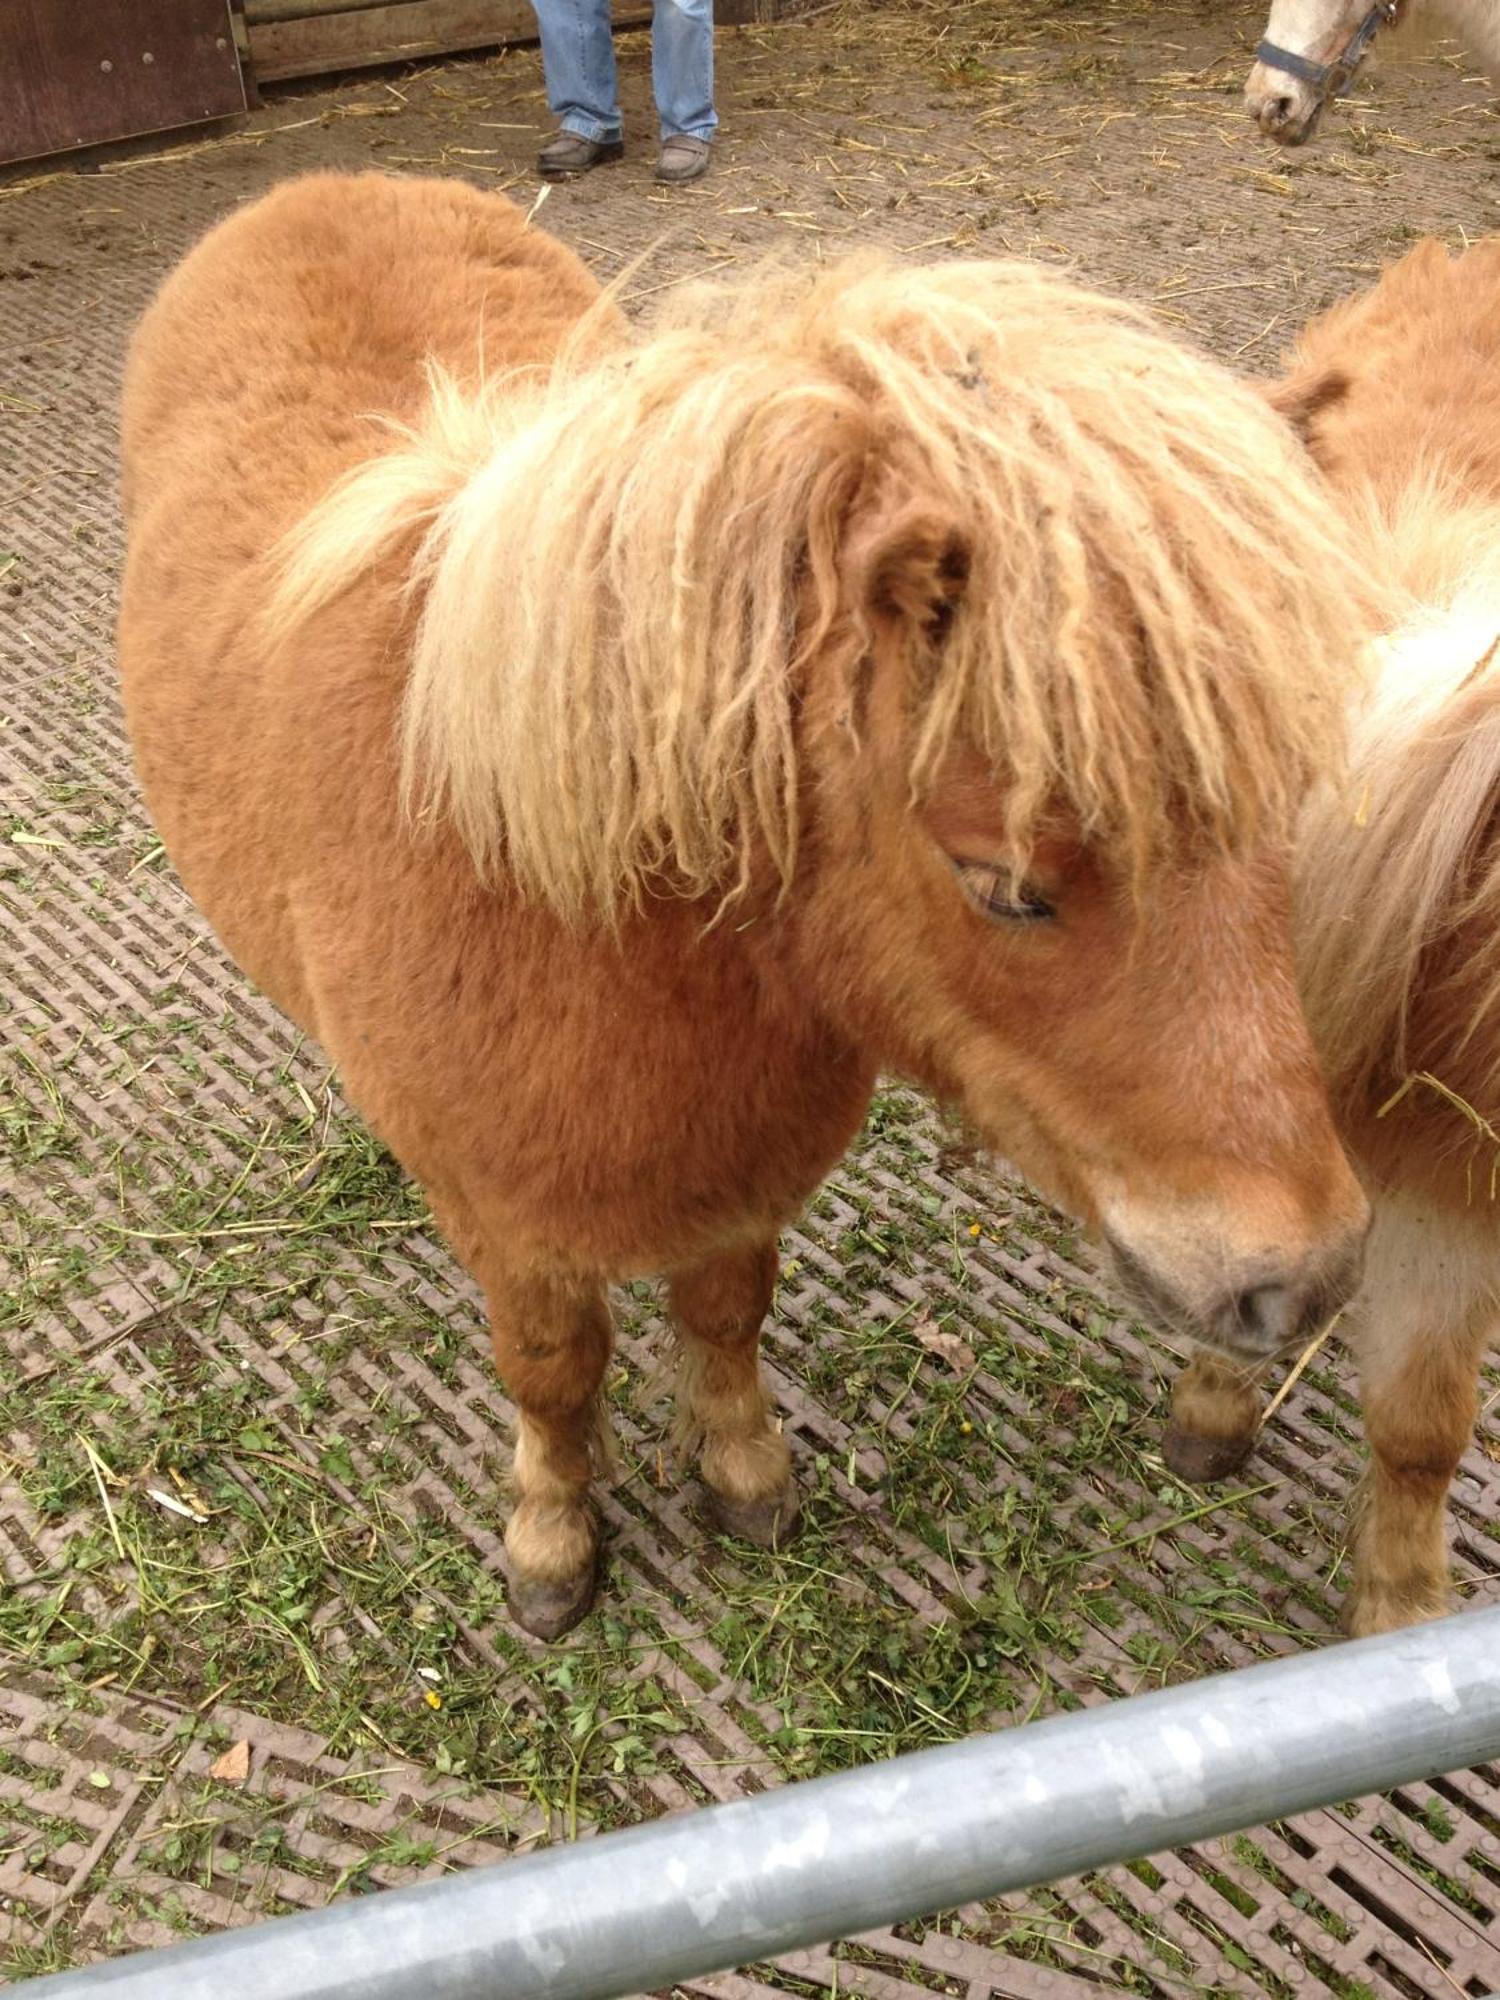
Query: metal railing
{"x": 702, "y": 1891}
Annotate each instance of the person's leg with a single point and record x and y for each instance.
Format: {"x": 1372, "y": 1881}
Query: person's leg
{"x": 578, "y": 61}
{"x": 682, "y": 77}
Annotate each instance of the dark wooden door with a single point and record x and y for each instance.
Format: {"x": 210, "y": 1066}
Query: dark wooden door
{"x": 74, "y": 72}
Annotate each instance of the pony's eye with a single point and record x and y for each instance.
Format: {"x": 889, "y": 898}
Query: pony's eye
{"x": 995, "y": 894}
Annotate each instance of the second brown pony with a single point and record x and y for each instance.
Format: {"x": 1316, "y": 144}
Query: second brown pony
{"x": 614, "y": 750}
{"x": 1399, "y": 892}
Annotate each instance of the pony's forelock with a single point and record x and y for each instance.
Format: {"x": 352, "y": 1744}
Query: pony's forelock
{"x": 623, "y": 566}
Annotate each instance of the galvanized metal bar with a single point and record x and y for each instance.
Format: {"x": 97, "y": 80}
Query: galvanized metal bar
{"x": 702, "y": 1891}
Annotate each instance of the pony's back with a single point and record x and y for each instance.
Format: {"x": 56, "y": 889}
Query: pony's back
{"x": 1420, "y": 357}
{"x": 1400, "y": 882}
{"x": 344, "y": 290}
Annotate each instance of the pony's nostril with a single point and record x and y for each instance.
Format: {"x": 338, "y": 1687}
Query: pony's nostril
{"x": 1263, "y": 1316}
{"x": 1280, "y": 109}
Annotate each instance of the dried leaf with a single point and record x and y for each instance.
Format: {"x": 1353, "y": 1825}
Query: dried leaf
{"x": 233, "y": 1768}
{"x": 947, "y": 1346}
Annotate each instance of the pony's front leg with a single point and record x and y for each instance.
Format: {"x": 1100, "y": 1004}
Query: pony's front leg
{"x": 551, "y": 1337}
{"x": 717, "y": 1307}
{"x": 1419, "y": 1389}
{"x": 1216, "y": 1408}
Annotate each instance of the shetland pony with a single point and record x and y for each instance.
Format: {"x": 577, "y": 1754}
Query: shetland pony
{"x": 1398, "y": 879}
{"x": 1312, "y": 48}
{"x": 614, "y": 750}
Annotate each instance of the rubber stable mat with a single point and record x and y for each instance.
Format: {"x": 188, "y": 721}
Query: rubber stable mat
{"x": 228, "y": 1330}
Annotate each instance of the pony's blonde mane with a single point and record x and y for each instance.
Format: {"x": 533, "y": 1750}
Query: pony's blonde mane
{"x": 628, "y": 570}
{"x": 1399, "y": 861}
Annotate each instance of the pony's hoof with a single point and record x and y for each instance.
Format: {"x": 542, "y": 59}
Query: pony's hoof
{"x": 1198, "y": 1460}
{"x": 769, "y": 1524}
{"x": 547, "y": 1610}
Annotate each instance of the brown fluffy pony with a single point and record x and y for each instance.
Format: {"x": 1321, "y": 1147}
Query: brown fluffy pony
{"x": 614, "y": 749}
{"x": 1399, "y": 908}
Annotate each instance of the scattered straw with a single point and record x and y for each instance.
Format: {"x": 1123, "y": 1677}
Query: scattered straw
{"x": 536, "y": 207}
{"x": 1304, "y": 1361}
{"x": 99, "y": 1470}
{"x": 1483, "y": 1129}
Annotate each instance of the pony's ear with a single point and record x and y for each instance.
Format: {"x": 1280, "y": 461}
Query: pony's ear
{"x": 1302, "y": 399}
{"x": 916, "y": 570}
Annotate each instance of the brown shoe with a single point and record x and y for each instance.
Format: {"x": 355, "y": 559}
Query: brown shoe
{"x": 569, "y": 153}
{"x": 682, "y": 159}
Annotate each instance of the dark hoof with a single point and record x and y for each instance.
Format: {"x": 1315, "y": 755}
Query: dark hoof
{"x": 769, "y": 1524}
{"x": 547, "y": 1610}
{"x": 1199, "y": 1460}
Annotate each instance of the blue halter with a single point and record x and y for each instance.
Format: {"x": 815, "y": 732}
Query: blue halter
{"x": 1328, "y": 79}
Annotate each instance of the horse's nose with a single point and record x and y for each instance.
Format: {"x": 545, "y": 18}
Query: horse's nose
{"x": 1285, "y": 121}
{"x": 1288, "y": 116}
{"x": 1278, "y": 119}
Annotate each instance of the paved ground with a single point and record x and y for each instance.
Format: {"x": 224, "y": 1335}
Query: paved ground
{"x": 249, "y": 1441}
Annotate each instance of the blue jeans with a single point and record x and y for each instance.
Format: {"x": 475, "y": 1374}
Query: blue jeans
{"x": 578, "y": 58}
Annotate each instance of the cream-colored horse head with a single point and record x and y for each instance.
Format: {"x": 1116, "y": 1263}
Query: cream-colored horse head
{"x": 1309, "y": 53}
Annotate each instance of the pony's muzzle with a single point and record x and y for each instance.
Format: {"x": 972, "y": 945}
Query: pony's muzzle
{"x": 1266, "y": 1309}
{"x": 1265, "y": 1320}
